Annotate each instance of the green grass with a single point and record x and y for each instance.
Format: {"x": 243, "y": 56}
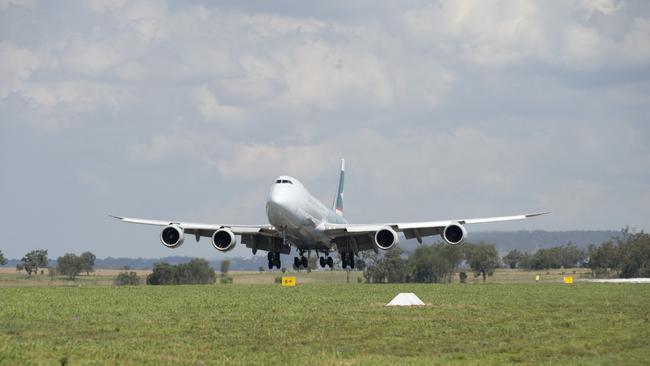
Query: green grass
{"x": 326, "y": 324}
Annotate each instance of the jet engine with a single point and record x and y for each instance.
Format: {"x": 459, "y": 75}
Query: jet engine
{"x": 454, "y": 234}
{"x": 172, "y": 236}
{"x": 223, "y": 240}
{"x": 386, "y": 238}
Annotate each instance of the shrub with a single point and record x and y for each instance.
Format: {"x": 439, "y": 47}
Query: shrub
{"x": 127, "y": 279}
{"x": 197, "y": 271}
{"x": 225, "y": 280}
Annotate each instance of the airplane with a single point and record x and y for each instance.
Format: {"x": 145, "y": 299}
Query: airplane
{"x": 296, "y": 218}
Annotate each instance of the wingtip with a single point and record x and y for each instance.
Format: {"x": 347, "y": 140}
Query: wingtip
{"x": 538, "y": 214}
{"x": 116, "y": 217}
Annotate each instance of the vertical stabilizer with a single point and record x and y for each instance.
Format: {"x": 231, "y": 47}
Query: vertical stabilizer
{"x": 338, "y": 199}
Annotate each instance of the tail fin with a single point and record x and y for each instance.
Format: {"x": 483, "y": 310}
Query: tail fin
{"x": 338, "y": 199}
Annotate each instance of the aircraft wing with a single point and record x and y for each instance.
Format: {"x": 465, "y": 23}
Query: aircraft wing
{"x": 256, "y": 237}
{"x": 414, "y": 229}
{"x": 203, "y": 229}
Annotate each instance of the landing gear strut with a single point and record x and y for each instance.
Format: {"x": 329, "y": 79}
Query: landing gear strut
{"x": 347, "y": 259}
{"x": 274, "y": 260}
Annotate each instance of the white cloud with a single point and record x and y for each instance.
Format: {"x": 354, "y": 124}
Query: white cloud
{"x": 17, "y": 64}
{"x": 86, "y": 58}
{"x": 212, "y": 110}
{"x": 583, "y": 46}
{"x": 606, "y": 7}
{"x": 486, "y": 33}
{"x": 324, "y": 76}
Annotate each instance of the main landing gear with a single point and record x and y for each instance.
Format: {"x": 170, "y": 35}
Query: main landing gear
{"x": 326, "y": 262}
{"x": 300, "y": 261}
{"x": 347, "y": 259}
{"x": 274, "y": 260}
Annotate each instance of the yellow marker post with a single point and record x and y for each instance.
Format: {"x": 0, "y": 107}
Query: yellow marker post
{"x": 568, "y": 280}
{"x": 536, "y": 278}
{"x": 288, "y": 281}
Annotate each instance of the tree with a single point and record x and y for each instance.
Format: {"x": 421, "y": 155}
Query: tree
{"x": 32, "y": 261}
{"x": 196, "y": 271}
{"x": 482, "y": 258}
{"x": 3, "y": 260}
{"x": 127, "y": 279}
{"x": 70, "y": 265}
{"x": 163, "y": 274}
{"x": 386, "y": 267}
{"x": 434, "y": 264}
{"x": 225, "y": 266}
{"x": 88, "y": 261}
{"x": 513, "y": 258}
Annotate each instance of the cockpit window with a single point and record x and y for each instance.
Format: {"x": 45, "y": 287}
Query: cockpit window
{"x": 283, "y": 181}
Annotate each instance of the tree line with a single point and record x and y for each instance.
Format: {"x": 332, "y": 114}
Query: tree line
{"x": 429, "y": 264}
{"x": 70, "y": 264}
{"x": 625, "y": 256}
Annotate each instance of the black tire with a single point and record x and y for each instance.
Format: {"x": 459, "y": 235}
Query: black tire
{"x": 296, "y": 262}
{"x": 304, "y": 262}
{"x": 322, "y": 262}
{"x": 330, "y": 262}
{"x": 270, "y": 256}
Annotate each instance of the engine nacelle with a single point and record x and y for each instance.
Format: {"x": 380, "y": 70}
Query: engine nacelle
{"x": 386, "y": 238}
{"x": 172, "y": 236}
{"x": 454, "y": 234}
{"x": 223, "y": 240}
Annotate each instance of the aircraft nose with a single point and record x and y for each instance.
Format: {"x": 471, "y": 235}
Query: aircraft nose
{"x": 279, "y": 197}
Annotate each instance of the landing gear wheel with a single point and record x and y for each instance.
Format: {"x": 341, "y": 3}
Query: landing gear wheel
{"x": 322, "y": 262}
{"x": 296, "y": 262}
{"x": 347, "y": 259}
{"x": 274, "y": 260}
{"x": 277, "y": 262}
{"x": 304, "y": 262}
{"x": 330, "y": 262}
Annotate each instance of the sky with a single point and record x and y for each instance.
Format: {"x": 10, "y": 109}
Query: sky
{"x": 188, "y": 110}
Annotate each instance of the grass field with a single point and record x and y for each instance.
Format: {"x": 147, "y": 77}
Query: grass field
{"x": 322, "y": 323}
{"x": 9, "y": 277}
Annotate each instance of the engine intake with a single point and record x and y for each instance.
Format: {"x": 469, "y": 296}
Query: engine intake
{"x": 172, "y": 236}
{"x": 386, "y": 238}
{"x": 223, "y": 240}
{"x": 454, "y": 234}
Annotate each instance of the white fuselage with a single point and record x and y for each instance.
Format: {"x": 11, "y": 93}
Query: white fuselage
{"x": 290, "y": 207}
